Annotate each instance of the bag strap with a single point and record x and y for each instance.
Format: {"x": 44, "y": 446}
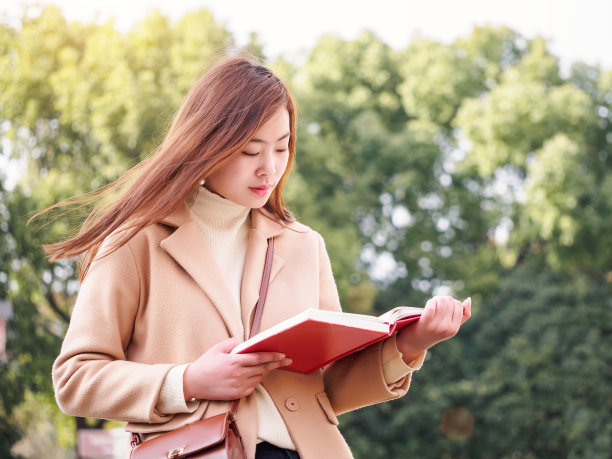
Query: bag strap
{"x": 263, "y": 289}
{"x": 263, "y": 292}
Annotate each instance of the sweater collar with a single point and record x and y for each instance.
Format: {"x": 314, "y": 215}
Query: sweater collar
{"x": 216, "y": 211}
{"x": 262, "y": 221}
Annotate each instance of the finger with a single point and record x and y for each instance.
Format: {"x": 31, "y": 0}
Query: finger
{"x": 244, "y": 387}
{"x": 260, "y": 369}
{"x": 467, "y": 309}
{"x": 250, "y": 384}
{"x": 444, "y": 309}
{"x": 225, "y": 346}
{"x": 260, "y": 358}
{"x": 457, "y": 313}
{"x": 267, "y": 367}
{"x": 429, "y": 311}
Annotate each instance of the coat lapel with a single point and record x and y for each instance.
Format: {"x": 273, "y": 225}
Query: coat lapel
{"x": 187, "y": 247}
{"x": 263, "y": 227}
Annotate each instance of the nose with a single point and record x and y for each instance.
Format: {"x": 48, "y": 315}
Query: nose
{"x": 267, "y": 165}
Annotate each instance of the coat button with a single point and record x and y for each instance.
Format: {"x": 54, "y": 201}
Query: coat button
{"x": 292, "y": 404}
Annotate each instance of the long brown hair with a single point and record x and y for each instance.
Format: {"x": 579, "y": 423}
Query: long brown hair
{"x": 217, "y": 119}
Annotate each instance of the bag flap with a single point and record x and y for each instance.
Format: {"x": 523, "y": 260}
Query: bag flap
{"x": 185, "y": 440}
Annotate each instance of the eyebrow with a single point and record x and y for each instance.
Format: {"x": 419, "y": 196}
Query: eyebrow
{"x": 256, "y": 140}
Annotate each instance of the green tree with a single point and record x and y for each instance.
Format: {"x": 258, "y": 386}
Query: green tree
{"x": 542, "y": 363}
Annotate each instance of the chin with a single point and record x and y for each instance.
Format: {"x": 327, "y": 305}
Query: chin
{"x": 253, "y": 203}
{"x": 259, "y": 205}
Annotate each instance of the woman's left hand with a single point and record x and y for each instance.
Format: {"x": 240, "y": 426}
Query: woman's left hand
{"x": 441, "y": 319}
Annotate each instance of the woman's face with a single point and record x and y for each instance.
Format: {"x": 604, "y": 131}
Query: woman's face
{"x": 249, "y": 178}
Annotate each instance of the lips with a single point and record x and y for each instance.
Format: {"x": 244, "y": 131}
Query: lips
{"x": 261, "y": 190}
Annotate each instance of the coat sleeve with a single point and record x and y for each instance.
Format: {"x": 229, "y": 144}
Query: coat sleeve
{"x": 92, "y": 376}
{"x": 356, "y": 380}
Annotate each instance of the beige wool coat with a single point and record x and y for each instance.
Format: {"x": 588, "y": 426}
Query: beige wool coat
{"x": 160, "y": 301}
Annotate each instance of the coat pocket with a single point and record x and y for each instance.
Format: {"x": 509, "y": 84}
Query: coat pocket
{"x": 325, "y": 405}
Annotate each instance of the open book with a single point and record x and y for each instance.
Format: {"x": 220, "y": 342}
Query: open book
{"x": 316, "y": 337}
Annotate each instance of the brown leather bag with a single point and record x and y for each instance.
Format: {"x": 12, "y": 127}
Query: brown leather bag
{"x": 216, "y": 437}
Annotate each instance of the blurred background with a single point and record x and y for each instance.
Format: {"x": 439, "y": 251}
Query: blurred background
{"x": 459, "y": 148}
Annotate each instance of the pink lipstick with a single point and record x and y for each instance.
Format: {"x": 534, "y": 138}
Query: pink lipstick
{"x": 260, "y": 190}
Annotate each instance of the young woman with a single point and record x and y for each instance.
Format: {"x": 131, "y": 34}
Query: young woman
{"x": 171, "y": 270}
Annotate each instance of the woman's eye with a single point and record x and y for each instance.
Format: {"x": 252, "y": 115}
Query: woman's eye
{"x": 281, "y": 150}
{"x": 249, "y": 154}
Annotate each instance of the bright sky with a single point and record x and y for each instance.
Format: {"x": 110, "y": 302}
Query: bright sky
{"x": 576, "y": 29}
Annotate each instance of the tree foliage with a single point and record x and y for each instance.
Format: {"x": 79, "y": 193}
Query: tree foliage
{"x": 470, "y": 168}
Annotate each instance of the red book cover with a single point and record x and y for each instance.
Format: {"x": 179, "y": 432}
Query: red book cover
{"x": 316, "y": 338}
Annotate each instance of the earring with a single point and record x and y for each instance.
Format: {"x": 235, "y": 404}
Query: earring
{"x": 202, "y": 182}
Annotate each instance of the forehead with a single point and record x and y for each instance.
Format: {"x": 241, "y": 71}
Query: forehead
{"x": 276, "y": 129}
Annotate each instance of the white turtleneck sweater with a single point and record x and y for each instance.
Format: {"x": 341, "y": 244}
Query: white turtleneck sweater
{"x": 224, "y": 226}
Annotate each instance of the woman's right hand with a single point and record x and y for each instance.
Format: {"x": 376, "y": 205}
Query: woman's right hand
{"x": 219, "y": 375}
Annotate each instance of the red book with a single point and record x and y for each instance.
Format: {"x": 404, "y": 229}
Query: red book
{"x": 316, "y": 337}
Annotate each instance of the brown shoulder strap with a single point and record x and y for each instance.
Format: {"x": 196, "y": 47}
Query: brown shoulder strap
{"x": 263, "y": 292}
{"x": 263, "y": 289}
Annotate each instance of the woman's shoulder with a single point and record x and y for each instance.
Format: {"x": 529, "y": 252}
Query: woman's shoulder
{"x": 301, "y": 234}
{"x": 300, "y": 228}
{"x": 132, "y": 240}
{"x": 291, "y": 229}
{"x": 154, "y": 232}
